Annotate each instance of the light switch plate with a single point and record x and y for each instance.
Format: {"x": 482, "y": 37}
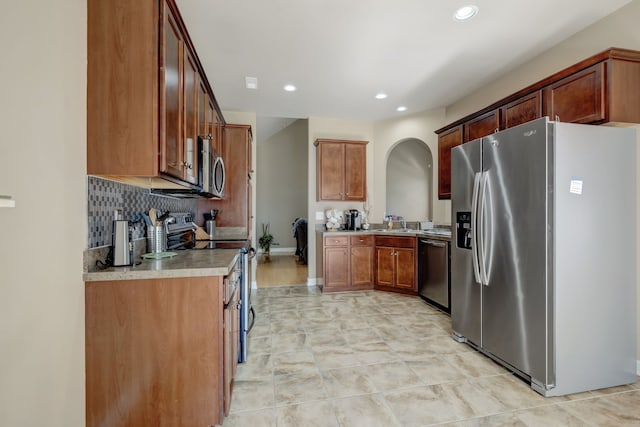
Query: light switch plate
{"x": 7, "y": 202}
{"x": 319, "y": 216}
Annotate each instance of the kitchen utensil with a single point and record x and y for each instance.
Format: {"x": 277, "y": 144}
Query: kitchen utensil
{"x": 164, "y": 216}
{"x": 153, "y": 216}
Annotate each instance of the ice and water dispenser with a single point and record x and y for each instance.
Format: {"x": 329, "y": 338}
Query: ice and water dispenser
{"x": 463, "y": 230}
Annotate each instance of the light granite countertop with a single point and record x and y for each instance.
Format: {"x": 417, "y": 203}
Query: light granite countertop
{"x": 189, "y": 263}
{"x": 438, "y": 235}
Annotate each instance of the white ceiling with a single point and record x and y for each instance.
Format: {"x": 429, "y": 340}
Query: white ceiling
{"x": 340, "y": 53}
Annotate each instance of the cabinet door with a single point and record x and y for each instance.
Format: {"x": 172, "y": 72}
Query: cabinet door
{"x": 234, "y": 208}
{"x": 483, "y": 125}
{"x": 171, "y": 97}
{"x": 355, "y": 176}
{"x": 522, "y": 110}
{"x": 331, "y": 166}
{"x": 446, "y": 141}
{"x": 405, "y": 268}
{"x": 215, "y": 129}
{"x": 227, "y": 358}
{"x": 190, "y": 147}
{"x": 235, "y": 335}
{"x": 579, "y": 98}
{"x": 336, "y": 267}
{"x": 362, "y": 265}
{"x": 203, "y": 106}
{"x": 385, "y": 261}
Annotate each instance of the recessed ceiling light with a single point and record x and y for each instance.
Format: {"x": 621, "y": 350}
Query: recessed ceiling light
{"x": 401, "y": 108}
{"x": 466, "y": 12}
{"x": 290, "y": 88}
{"x": 251, "y": 82}
{"x": 381, "y": 95}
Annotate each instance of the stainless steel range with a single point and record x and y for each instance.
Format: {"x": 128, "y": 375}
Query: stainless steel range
{"x": 247, "y": 313}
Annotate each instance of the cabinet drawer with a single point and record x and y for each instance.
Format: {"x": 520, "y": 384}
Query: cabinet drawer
{"x": 362, "y": 240}
{"x": 336, "y": 240}
{"x": 396, "y": 242}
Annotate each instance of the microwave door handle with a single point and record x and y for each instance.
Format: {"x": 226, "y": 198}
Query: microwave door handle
{"x": 474, "y": 228}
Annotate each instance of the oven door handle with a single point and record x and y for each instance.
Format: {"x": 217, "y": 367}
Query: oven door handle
{"x": 253, "y": 319}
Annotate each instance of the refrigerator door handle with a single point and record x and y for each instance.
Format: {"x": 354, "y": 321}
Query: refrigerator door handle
{"x": 482, "y": 197}
{"x": 474, "y": 228}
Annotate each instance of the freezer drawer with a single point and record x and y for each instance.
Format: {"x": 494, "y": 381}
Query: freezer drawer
{"x": 433, "y": 272}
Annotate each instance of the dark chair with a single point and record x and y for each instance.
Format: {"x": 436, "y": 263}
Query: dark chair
{"x": 300, "y": 234}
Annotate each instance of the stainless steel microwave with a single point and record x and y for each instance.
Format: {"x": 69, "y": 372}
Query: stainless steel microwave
{"x": 211, "y": 176}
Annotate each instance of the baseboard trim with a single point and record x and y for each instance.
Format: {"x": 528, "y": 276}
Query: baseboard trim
{"x": 280, "y": 251}
{"x": 313, "y": 281}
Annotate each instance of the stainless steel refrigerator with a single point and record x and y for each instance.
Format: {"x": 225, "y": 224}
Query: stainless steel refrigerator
{"x": 543, "y": 254}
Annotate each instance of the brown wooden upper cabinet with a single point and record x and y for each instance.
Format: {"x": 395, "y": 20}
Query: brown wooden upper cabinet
{"x": 579, "y": 98}
{"x": 148, "y": 97}
{"x": 341, "y": 170}
{"x": 446, "y": 141}
{"x": 482, "y": 125}
{"x": 601, "y": 89}
{"x": 522, "y": 110}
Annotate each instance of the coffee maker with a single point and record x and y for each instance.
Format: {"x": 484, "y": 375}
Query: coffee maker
{"x": 353, "y": 220}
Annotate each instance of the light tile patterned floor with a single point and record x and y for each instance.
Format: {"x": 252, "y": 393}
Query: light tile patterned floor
{"x": 379, "y": 359}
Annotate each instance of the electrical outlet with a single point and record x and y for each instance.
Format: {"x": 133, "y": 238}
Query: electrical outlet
{"x": 319, "y": 216}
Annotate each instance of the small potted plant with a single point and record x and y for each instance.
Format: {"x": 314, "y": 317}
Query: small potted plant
{"x": 265, "y": 241}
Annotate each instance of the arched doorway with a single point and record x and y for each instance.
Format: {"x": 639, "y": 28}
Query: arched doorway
{"x": 410, "y": 180}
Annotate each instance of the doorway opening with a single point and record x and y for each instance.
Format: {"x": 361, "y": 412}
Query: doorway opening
{"x": 410, "y": 180}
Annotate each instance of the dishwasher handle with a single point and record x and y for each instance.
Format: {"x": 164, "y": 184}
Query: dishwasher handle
{"x": 434, "y": 243}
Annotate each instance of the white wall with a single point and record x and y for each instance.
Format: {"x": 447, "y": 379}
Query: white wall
{"x": 282, "y": 182}
{"x": 42, "y": 165}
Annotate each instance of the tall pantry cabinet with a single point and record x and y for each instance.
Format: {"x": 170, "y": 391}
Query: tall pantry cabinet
{"x": 234, "y": 210}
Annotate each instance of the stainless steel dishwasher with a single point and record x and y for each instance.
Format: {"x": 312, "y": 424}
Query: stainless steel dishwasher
{"x": 433, "y": 272}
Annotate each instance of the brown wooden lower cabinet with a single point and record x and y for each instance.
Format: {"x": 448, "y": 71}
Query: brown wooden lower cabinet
{"x": 396, "y": 263}
{"x": 154, "y": 352}
{"x": 347, "y": 262}
{"x": 231, "y": 344}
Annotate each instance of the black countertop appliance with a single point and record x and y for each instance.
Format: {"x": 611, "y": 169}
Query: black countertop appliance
{"x": 353, "y": 220}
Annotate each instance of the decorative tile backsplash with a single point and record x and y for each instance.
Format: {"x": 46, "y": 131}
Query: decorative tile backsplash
{"x": 105, "y": 196}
